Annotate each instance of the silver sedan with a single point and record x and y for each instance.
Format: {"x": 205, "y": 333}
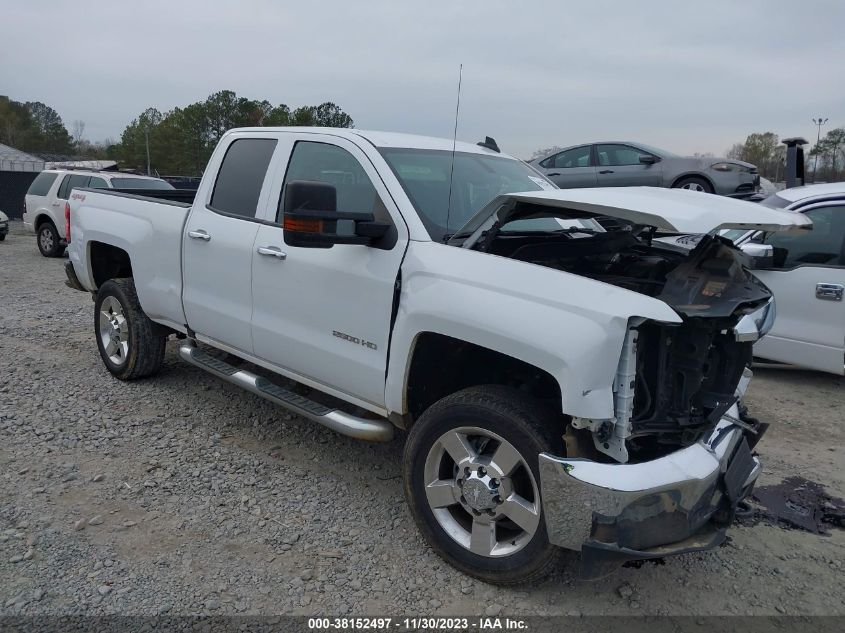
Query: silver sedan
{"x": 624, "y": 164}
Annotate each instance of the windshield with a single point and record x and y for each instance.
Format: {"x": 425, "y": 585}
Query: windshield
{"x": 476, "y": 180}
{"x": 733, "y": 234}
{"x": 140, "y": 183}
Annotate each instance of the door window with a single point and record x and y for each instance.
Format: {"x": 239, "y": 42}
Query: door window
{"x": 71, "y": 181}
{"x": 577, "y": 157}
{"x": 619, "y": 155}
{"x": 241, "y": 176}
{"x": 335, "y": 166}
{"x": 824, "y": 245}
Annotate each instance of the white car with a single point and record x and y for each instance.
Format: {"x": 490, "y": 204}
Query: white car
{"x": 455, "y": 292}
{"x": 806, "y": 273}
{"x": 44, "y": 204}
{"x": 4, "y": 226}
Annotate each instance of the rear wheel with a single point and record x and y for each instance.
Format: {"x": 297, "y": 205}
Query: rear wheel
{"x": 49, "y": 242}
{"x": 694, "y": 183}
{"x": 473, "y": 484}
{"x": 129, "y": 343}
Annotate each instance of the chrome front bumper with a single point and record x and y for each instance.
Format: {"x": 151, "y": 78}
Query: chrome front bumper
{"x": 678, "y": 503}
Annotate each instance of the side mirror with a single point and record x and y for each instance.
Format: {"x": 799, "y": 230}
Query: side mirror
{"x": 761, "y": 255}
{"x": 648, "y": 159}
{"x": 311, "y": 218}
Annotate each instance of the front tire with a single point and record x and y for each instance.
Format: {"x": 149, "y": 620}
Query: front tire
{"x": 471, "y": 477}
{"x": 49, "y": 242}
{"x": 694, "y": 183}
{"x": 126, "y": 337}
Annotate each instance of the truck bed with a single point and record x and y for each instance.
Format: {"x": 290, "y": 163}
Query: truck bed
{"x": 148, "y": 226}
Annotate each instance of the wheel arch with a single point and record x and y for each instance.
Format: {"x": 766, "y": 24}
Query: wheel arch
{"x": 107, "y": 261}
{"x": 441, "y": 365}
{"x": 41, "y": 218}
{"x": 693, "y": 174}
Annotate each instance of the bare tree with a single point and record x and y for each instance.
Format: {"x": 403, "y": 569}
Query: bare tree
{"x": 78, "y": 131}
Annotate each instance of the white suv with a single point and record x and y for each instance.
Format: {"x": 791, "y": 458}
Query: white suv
{"x": 44, "y": 207}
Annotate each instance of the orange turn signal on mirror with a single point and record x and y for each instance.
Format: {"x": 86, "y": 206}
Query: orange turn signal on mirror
{"x": 303, "y": 226}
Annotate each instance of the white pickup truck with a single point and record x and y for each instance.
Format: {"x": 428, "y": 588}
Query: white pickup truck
{"x": 563, "y": 380}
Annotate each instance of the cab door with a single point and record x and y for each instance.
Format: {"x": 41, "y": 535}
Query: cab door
{"x": 571, "y": 168}
{"x": 218, "y": 245}
{"x": 621, "y": 166}
{"x": 808, "y": 282}
{"x": 324, "y": 314}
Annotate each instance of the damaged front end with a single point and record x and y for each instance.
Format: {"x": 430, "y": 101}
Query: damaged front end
{"x": 674, "y": 382}
{"x": 682, "y": 447}
{"x": 681, "y": 502}
{"x": 666, "y": 473}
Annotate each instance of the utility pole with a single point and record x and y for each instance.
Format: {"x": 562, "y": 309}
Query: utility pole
{"x": 818, "y": 122}
{"x": 147, "y": 143}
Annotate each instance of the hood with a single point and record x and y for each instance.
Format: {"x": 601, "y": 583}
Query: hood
{"x": 672, "y": 210}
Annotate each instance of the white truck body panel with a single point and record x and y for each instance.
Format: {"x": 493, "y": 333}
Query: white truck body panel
{"x": 150, "y": 230}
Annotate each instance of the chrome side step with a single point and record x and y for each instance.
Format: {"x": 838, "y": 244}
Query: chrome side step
{"x": 344, "y": 423}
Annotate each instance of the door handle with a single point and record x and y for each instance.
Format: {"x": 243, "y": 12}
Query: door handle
{"x": 606, "y": 171}
{"x": 557, "y": 173}
{"x": 829, "y": 292}
{"x": 199, "y": 235}
{"x": 272, "y": 251}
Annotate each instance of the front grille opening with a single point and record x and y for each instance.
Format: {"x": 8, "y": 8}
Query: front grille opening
{"x": 687, "y": 376}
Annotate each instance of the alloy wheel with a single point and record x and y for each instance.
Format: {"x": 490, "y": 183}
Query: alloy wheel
{"x": 482, "y": 492}
{"x": 114, "y": 330}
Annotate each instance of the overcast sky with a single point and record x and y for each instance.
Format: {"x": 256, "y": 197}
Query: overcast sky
{"x": 687, "y": 76}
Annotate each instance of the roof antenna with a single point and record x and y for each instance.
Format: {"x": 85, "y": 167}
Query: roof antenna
{"x": 454, "y": 142}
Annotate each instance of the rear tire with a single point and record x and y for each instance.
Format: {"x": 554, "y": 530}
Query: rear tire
{"x": 455, "y": 500}
{"x": 49, "y": 241}
{"x": 127, "y": 339}
{"x": 694, "y": 183}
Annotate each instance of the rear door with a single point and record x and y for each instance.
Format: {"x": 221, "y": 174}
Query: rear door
{"x": 218, "y": 244}
{"x": 619, "y": 165}
{"x": 571, "y": 168}
{"x": 808, "y": 282}
{"x": 324, "y": 314}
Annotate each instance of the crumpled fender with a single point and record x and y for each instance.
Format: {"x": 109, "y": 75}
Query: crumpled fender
{"x": 570, "y": 326}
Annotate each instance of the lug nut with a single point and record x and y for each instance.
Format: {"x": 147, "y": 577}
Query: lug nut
{"x": 482, "y": 471}
{"x": 495, "y": 482}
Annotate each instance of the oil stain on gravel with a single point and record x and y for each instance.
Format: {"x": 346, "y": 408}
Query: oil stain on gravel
{"x": 798, "y": 503}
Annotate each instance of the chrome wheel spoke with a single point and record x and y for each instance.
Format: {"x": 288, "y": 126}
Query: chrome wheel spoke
{"x": 441, "y": 493}
{"x": 522, "y": 512}
{"x": 483, "y": 537}
{"x": 458, "y": 447}
{"x": 506, "y": 458}
{"x": 111, "y": 348}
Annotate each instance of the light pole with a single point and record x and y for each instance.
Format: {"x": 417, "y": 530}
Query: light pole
{"x": 818, "y": 122}
{"x": 147, "y": 143}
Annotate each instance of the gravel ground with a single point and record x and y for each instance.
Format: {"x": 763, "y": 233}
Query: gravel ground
{"x": 183, "y": 495}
